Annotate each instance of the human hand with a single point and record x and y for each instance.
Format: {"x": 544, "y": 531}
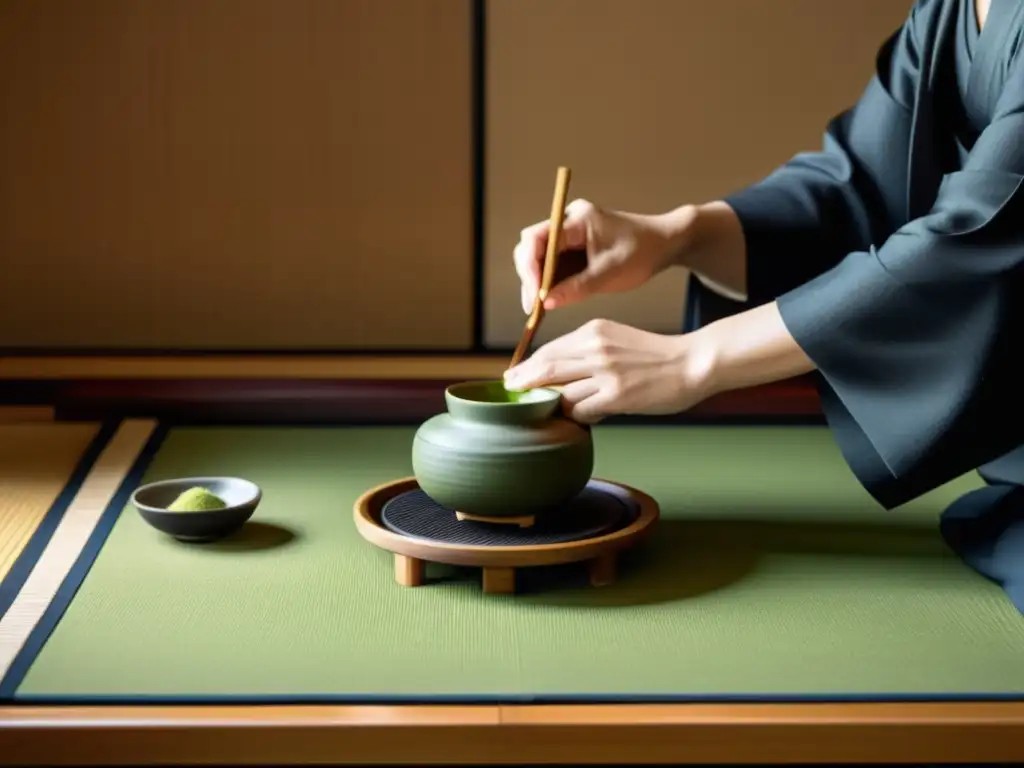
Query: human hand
{"x": 605, "y": 368}
{"x": 623, "y": 251}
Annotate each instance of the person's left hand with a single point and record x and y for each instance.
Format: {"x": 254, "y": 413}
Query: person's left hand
{"x": 605, "y": 368}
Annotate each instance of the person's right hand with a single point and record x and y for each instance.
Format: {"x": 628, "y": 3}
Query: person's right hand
{"x": 623, "y": 251}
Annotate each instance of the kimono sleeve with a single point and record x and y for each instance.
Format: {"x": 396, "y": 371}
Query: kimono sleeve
{"x": 803, "y": 218}
{"x": 917, "y": 341}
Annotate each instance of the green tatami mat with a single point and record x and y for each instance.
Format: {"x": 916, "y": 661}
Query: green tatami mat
{"x": 773, "y": 574}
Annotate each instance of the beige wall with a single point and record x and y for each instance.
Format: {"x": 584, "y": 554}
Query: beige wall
{"x": 297, "y": 173}
{"x": 654, "y": 103}
{"x": 235, "y": 173}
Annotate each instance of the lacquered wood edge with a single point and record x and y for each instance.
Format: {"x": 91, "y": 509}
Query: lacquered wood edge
{"x": 366, "y": 400}
{"x": 368, "y": 507}
{"x": 232, "y": 715}
{"x": 253, "y": 366}
{"x": 970, "y": 733}
{"x": 26, "y": 414}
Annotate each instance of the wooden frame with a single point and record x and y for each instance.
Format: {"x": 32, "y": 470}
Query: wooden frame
{"x": 388, "y": 389}
{"x": 623, "y": 734}
{"x": 499, "y": 564}
{"x": 385, "y": 389}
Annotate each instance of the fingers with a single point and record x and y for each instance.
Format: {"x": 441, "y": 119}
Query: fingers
{"x": 585, "y": 282}
{"x": 574, "y": 228}
{"x": 583, "y": 401}
{"x": 547, "y": 372}
{"x": 590, "y": 341}
{"x": 592, "y": 279}
{"x": 591, "y": 409}
{"x": 575, "y": 393}
{"x": 575, "y": 288}
{"x": 570, "y": 357}
{"x": 528, "y": 255}
{"x": 558, "y": 361}
{"x": 526, "y": 297}
{"x": 579, "y": 353}
{"x": 583, "y": 398}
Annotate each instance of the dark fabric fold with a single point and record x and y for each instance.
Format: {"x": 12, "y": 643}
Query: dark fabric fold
{"x": 895, "y": 256}
{"x": 986, "y": 529}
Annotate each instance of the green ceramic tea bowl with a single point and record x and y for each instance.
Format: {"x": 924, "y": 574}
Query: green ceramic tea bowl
{"x": 496, "y": 453}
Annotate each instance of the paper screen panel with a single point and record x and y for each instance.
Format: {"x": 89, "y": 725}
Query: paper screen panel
{"x": 236, "y": 174}
{"x": 654, "y": 103}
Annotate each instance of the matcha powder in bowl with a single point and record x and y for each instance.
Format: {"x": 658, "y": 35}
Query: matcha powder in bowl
{"x": 196, "y": 500}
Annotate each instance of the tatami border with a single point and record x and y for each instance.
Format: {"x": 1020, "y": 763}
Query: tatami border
{"x": 14, "y": 579}
{"x": 72, "y": 548}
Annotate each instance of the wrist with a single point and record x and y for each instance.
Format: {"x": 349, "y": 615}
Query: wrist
{"x": 694, "y": 233}
{"x": 744, "y": 350}
{"x": 677, "y": 231}
{"x": 709, "y": 241}
{"x": 700, "y": 367}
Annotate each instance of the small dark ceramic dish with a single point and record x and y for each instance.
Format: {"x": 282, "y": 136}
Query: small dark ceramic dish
{"x": 241, "y": 496}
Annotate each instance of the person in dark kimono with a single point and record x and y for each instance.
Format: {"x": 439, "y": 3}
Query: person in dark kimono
{"x": 888, "y": 263}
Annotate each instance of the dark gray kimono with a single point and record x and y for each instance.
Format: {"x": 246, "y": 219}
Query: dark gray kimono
{"x": 895, "y": 255}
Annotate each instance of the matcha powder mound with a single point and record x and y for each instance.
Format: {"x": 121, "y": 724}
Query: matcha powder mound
{"x": 196, "y": 500}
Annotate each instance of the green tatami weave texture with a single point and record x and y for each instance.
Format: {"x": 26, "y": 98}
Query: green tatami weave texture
{"x": 772, "y": 574}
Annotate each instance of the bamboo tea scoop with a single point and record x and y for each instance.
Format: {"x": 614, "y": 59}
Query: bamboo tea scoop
{"x": 550, "y": 265}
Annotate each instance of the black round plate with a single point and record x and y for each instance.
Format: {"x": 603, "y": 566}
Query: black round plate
{"x": 595, "y": 512}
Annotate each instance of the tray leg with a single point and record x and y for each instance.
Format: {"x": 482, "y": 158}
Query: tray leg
{"x": 499, "y": 581}
{"x": 602, "y": 570}
{"x": 409, "y": 572}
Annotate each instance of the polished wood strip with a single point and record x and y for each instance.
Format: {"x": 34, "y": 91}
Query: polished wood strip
{"x": 254, "y": 367}
{"x": 26, "y": 414}
{"x": 371, "y": 402}
{"x": 70, "y": 537}
{"x": 297, "y": 388}
{"x": 919, "y": 732}
{"x": 666, "y": 734}
{"x": 36, "y": 462}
